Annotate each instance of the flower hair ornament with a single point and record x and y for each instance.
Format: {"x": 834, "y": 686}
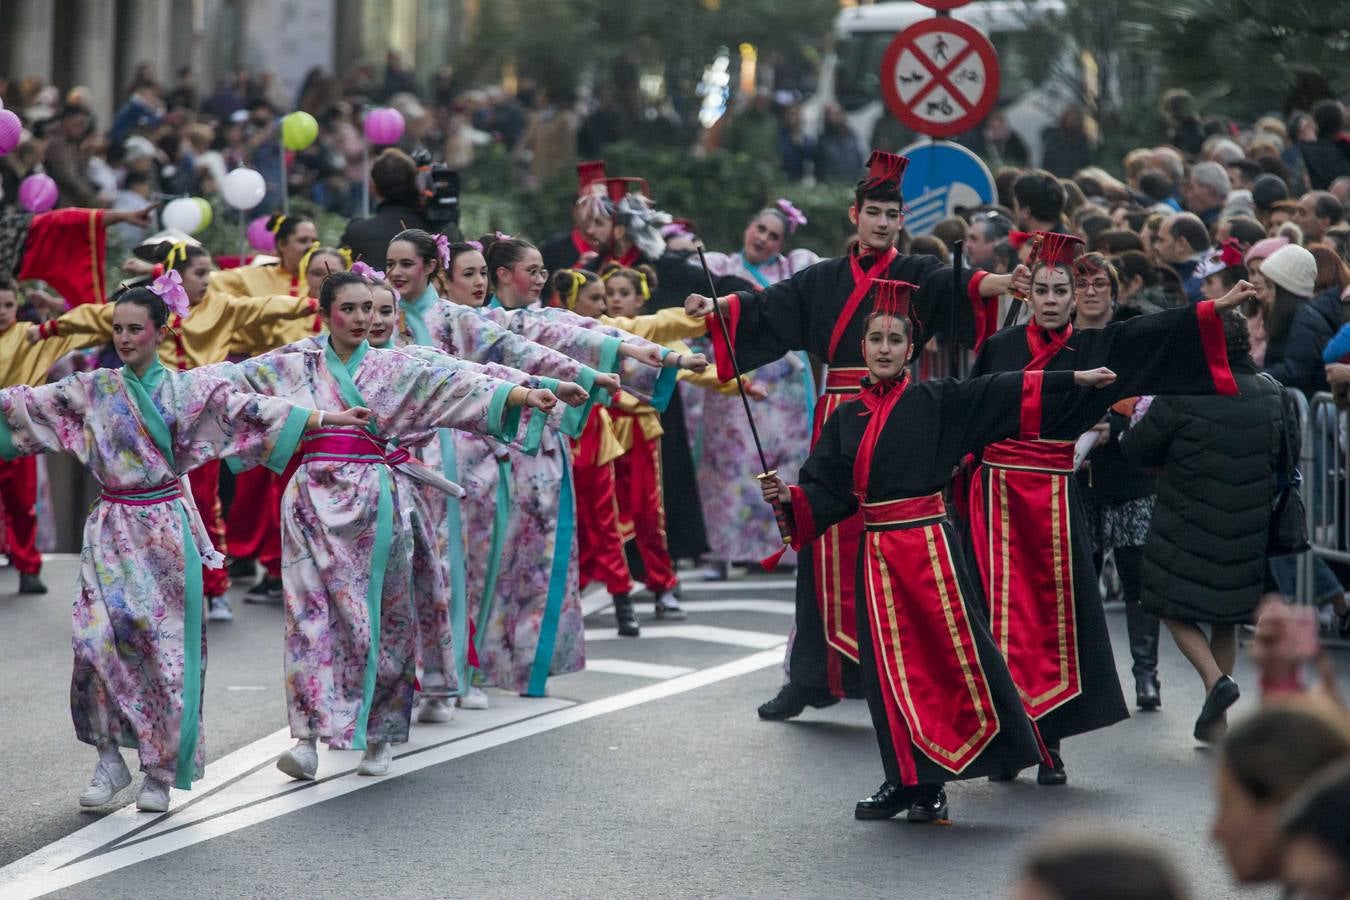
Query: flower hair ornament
{"x": 795, "y": 217}
{"x": 366, "y": 271}
{"x": 169, "y": 288}
{"x": 477, "y": 245}
{"x": 443, "y": 250}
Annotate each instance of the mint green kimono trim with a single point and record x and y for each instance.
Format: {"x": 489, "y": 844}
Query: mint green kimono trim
{"x": 574, "y": 418}
{"x": 7, "y": 449}
{"x": 503, "y": 420}
{"x": 538, "y": 421}
{"x": 665, "y": 384}
{"x": 287, "y": 442}
{"x": 608, "y": 365}
{"x": 384, "y": 537}
{"x": 140, "y": 390}
{"x": 557, "y": 580}
{"x": 501, "y": 517}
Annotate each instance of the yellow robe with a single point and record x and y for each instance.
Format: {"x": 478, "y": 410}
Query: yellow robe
{"x": 25, "y": 363}
{"x": 264, "y": 281}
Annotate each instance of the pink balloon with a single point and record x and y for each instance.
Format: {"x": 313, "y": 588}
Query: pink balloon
{"x": 384, "y": 126}
{"x": 259, "y": 238}
{"x": 37, "y": 193}
{"x": 10, "y": 131}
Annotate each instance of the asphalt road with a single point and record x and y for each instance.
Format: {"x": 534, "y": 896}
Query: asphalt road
{"x": 646, "y": 775}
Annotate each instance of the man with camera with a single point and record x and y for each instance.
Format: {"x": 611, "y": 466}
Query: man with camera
{"x": 395, "y": 179}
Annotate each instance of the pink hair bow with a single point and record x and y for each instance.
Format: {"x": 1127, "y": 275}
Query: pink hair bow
{"x": 169, "y": 288}
{"x": 443, "y": 250}
{"x": 366, "y": 271}
{"x": 795, "y": 216}
{"x": 477, "y": 245}
{"x": 502, "y": 236}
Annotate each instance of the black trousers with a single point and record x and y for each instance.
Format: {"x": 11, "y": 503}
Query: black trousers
{"x": 808, "y": 663}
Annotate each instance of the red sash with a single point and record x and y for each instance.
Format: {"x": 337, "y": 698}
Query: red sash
{"x": 581, "y": 245}
{"x": 836, "y": 551}
{"x": 1023, "y": 546}
{"x": 933, "y": 687}
{"x": 862, "y": 283}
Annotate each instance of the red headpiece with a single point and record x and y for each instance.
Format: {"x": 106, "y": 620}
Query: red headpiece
{"x": 883, "y": 167}
{"x": 1018, "y": 238}
{"x": 1230, "y": 253}
{"x": 618, "y": 187}
{"x": 588, "y": 173}
{"x": 891, "y": 298}
{"x": 1057, "y": 248}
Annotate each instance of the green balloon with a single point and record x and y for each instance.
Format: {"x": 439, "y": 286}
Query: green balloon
{"x": 298, "y": 130}
{"x": 206, "y": 214}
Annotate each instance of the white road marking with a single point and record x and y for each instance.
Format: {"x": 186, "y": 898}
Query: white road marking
{"x": 632, "y": 667}
{"x": 713, "y": 634}
{"x": 778, "y": 607}
{"x": 739, "y": 584}
{"x": 55, "y": 867}
{"x": 247, "y": 687}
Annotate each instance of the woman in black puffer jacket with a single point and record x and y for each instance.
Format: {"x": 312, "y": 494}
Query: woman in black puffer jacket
{"x": 1205, "y": 558}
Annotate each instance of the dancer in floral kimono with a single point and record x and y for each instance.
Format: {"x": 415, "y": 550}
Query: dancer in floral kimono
{"x": 504, "y": 632}
{"x": 139, "y": 650}
{"x": 216, "y": 324}
{"x": 739, "y": 526}
{"x": 942, "y": 701}
{"x": 346, "y": 551}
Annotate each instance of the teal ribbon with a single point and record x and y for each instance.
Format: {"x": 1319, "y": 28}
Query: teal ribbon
{"x": 414, "y": 314}
{"x": 493, "y": 302}
{"x": 384, "y": 537}
{"x": 807, "y": 381}
{"x": 141, "y": 390}
{"x": 7, "y": 449}
{"x": 501, "y": 518}
{"x": 665, "y": 384}
{"x": 557, "y": 581}
{"x": 538, "y": 420}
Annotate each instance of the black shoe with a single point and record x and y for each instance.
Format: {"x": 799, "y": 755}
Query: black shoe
{"x": 888, "y": 802}
{"x": 791, "y": 700}
{"x": 1147, "y": 693}
{"x": 1005, "y": 775}
{"x": 930, "y": 804}
{"x": 1343, "y": 625}
{"x": 30, "y": 583}
{"x": 624, "y": 615}
{"x": 1052, "y": 775}
{"x": 267, "y": 588}
{"x": 242, "y": 568}
{"x": 1223, "y": 695}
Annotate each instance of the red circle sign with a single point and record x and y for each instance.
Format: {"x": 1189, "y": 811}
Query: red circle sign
{"x": 940, "y": 77}
{"x": 942, "y": 4}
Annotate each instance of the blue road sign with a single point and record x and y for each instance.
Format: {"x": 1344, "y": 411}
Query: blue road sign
{"x": 942, "y": 176}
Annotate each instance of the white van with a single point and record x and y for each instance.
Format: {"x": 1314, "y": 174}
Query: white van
{"x": 1035, "y": 84}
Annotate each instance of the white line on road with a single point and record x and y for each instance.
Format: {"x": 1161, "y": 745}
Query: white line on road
{"x": 247, "y": 687}
{"x": 739, "y": 584}
{"x": 60, "y": 865}
{"x": 632, "y": 667}
{"x": 713, "y": 634}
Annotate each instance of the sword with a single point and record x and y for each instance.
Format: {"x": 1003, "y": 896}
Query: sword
{"x": 1013, "y": 309}
{"x": 779, "y": 514}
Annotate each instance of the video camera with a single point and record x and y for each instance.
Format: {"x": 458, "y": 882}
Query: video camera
{"x": 438, "y": 189}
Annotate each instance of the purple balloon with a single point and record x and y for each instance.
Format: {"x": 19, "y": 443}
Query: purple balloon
{"x": 37, "y": 193}
{"x": 259, "y": 238}
{"x": 384, "y": 126}
{"x": 11, "y": 129}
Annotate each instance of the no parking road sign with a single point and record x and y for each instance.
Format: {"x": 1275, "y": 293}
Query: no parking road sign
{"x": 940, "y": 77}
{"x": 940, "y": 178}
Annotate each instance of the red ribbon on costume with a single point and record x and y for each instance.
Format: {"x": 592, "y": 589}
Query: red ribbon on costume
{"x": 862, "y": 283}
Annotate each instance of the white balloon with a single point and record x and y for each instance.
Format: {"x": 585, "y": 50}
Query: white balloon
{"x": 183, "y": 214}
{"x": 244, "y": 188}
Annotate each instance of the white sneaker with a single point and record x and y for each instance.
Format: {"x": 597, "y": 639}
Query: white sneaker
{"x": 435, "y": 709}
{"x": 109, "y": 777}
{"x": 301, "y": 761}
{"x": 474, "y": 699}
{"x": 668, "y": 606}
{"x": 154, "y": 796}
{"x": 219, "y": 610}
{"x": 377, "y": 759}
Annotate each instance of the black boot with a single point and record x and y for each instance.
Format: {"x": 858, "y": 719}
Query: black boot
{"x": 791, "y": 700}
{"x": 1223, "y": 695}
{"x": 627, "y": 619}
{"x": 930, "y": 804}
{"x": 1052, "y": 775}
{"x": 888, "y": 802}
{"x": 1143, "y": 627}
{"x": 31, "y": 583}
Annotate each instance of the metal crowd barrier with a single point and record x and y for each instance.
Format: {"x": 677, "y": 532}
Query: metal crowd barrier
{"x": 1324, "y": 461}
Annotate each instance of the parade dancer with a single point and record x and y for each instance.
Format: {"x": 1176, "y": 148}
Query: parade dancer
{"x": 739, "y": 527}
{"x": 1029, "y": 542}
{"x": 351, "y": 641}
{"x": 942, "y": 702}
{"x": 139, "y": 646}
{"x": 215, "y": 324}
{"x": 820, "y": 310}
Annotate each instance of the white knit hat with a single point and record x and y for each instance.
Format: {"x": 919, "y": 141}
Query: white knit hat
{"x": 1292, "y": 268}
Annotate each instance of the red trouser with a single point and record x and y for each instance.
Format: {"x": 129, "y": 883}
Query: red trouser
{"x": 18, "y": 487}
{"x": 254, "y": 523}
{"x": 637, "y": 477}
{"x": 205, "y": 482}
{"x": 599, "y": 547}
